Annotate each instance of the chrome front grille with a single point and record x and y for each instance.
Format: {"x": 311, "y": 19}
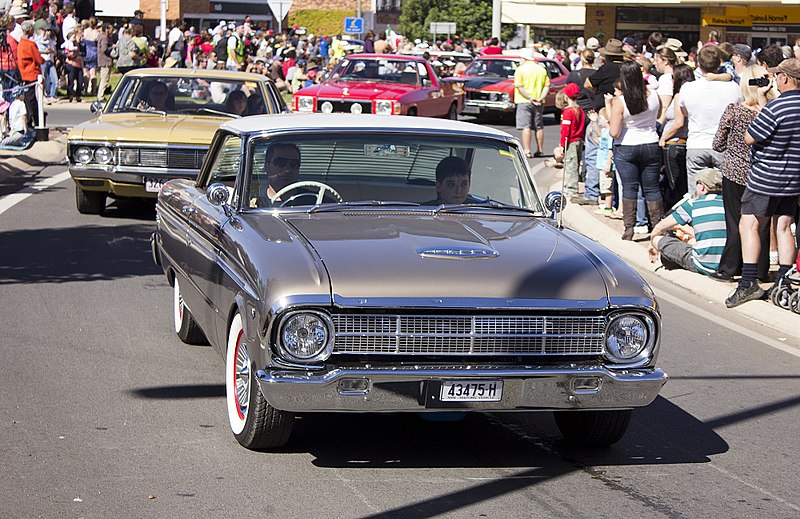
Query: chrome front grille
{"x": 468, "y": 335}
{"x": 173, "y": 158}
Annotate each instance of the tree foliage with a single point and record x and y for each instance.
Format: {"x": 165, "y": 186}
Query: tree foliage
{"x": 473, "y": 18}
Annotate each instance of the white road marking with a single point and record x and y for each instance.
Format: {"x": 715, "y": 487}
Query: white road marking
{"x": 742, "y": 330}
{"x": 13, "y": 199}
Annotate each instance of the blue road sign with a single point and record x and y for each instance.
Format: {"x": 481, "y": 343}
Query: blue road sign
{"x": 353, "y": 25}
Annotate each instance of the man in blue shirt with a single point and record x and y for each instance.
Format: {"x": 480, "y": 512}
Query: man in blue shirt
{"x": 706, "y": 215}
{"x": 773, "y": 186}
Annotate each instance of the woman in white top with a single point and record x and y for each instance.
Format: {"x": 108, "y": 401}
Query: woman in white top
{"x": 637, "y": 156}
{"x": 665, "y": 59}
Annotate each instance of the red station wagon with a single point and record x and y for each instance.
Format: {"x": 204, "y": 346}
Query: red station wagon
{"x": 382, "y": 84}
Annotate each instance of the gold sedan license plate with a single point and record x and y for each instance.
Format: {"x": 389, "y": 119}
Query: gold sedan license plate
{"x": 471, "y": 391}
{"x": 153, "y": 185}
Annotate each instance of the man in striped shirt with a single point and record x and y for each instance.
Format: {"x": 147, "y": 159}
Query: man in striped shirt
{"x": 773, "y": 186}
{"x": 706, "y": 215}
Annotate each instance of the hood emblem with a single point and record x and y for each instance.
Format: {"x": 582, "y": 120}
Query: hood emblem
{"x": 457, "y": 253}
{"x": 345, "y": 91}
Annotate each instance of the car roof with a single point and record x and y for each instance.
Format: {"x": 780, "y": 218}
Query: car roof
{"x": 332, "y": 123}
{"x": 191, "y": 73}
{"x": 404, "y": 57}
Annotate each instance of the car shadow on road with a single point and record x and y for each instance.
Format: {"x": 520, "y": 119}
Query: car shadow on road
{"x": 68, "y": 254}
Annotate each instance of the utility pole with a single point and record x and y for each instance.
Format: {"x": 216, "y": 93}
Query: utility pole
{"x": 497, "y": 8}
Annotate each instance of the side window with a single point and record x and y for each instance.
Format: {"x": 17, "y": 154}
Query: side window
{"x": 226, "y": 165}
{"x": 553, "y": 70}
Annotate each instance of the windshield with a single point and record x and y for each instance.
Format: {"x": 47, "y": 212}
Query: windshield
{"x": 388, "y": 169}
{"x": 492, "y": 68}
{"x": 173, "y": 95}
{"x": 380, "y": 69}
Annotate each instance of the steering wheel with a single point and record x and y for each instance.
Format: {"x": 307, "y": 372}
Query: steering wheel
{"x": 323, "y": 188}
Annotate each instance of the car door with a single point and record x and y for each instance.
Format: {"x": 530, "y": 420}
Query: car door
{"x": 558, "y": 78}
{"x": 437, "y": 103}
{"x": 204, "y": 266}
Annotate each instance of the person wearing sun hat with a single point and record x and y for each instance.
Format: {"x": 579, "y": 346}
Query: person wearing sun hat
{"x": 571, "y": 141}
{"x": 602, "y": 81}
{"x": 531, "y": 85}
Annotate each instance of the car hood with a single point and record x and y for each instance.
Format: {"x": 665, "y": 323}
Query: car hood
{"x": 489, "y": 83}
{"x": 141, "y": 127}
{"x": 510, "y": 261}
{"x": 360, "y": 90}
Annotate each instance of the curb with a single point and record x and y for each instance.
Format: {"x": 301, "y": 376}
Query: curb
{"x": 714, "y": 292}
{"x": 39, "y": 156}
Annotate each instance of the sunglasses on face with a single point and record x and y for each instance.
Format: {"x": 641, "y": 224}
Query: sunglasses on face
{"x": 284, "y": 162}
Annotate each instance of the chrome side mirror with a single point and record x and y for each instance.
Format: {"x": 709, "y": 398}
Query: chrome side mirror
{"x": 96, "y": 107}
{"x": 555, "y": 202}
{"x": 218, "y": 195}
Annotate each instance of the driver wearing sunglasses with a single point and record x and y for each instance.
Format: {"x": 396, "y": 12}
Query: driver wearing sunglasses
{"x": 282, "y": 168}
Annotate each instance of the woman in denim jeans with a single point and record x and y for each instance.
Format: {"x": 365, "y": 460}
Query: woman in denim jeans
{"x": 637, "y": 155}
{"x": 46, "y": 40}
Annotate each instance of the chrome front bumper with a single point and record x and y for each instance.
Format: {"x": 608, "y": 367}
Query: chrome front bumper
{"x": 414, "y": 389}
{"x": 503, "y": 106}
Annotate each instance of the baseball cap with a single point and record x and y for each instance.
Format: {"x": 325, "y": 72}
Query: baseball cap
{"x": 790, "y": 67}
{"x": 592, "y": 43}
{"x": 711, "y": 178}
{"x": 743, "y": 51}
{"x": 571, "y": 90}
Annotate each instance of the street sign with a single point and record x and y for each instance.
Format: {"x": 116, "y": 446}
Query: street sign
{"x": 443, "y": 28}
{"x": 353, "y": 25}
{"x": 280, "y": 8}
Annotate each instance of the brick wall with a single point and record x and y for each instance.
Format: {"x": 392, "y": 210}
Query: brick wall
{"x": 343, "y": 5}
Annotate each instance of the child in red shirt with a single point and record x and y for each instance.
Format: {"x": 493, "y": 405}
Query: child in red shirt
{"x": 572, "y": 132}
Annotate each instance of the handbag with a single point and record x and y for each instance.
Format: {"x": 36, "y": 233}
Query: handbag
{"x": 113, "y": 52}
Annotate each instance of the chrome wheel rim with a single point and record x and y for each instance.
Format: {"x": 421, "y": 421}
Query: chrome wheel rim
{"x": 241, "y": 377}
{"x": 179, "y": 306}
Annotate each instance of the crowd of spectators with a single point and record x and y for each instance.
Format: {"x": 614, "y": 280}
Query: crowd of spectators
{"x": 704, "y": 156}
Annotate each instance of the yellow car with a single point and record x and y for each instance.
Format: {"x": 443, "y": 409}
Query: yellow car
{"x": 158, "y": 126}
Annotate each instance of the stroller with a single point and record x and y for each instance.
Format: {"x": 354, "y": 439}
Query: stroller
{"x": 786, "y": 293}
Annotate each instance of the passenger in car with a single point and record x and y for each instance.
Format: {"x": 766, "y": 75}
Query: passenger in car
{"x": 159, "y": 98}
{"x": 236, "y": 103}
{"x": 453, "y": 180}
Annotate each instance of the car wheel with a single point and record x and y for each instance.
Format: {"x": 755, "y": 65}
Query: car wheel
{"x": 412, "y": 112}
{"x": 593, "y": 428}
{"x": 254, "y": 423}
{"x": 452, "y": 114}
{"x": 90, "y": 202}
{"x": 185, "y": 326}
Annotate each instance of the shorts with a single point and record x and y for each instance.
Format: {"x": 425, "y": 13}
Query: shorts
{"x": 676, "y": 253}
{"x": 767, "y": 206}
{"x": 530, "y": 116}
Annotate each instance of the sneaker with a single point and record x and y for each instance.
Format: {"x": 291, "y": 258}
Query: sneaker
{"x": 641, "y": 229}
{"x": 604, "y": 210}
{"x": 579, "y": 200}
{"x": 743, "y": 294}
{"x": 719, "y": 276}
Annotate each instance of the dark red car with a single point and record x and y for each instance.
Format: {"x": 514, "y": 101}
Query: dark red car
{"x": 489, "y": 85}
{"x": 384, "y": 84}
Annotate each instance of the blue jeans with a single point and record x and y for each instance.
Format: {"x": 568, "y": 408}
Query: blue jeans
{"x": 592, "y": 187}
{"x": 50, "y": 78}
{"x": 639, "y": 166}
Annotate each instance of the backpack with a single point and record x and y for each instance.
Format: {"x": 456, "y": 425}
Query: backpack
{"x": 221, "y": 49}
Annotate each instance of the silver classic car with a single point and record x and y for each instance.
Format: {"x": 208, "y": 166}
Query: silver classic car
{"x": 361, "y": 263}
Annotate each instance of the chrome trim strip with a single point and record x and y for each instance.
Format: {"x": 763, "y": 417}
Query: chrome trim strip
{"x": 474, "y": 303}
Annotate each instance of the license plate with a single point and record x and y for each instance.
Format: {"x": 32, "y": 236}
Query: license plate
{"x": 153, "y": 185}
{"x": 471, "y": 109}
{"x": 471, "y": 391}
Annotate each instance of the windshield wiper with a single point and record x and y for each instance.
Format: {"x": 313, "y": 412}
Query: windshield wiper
{"x": 208, "y": 110}
{"x": 488, "y": 204}
{"x": 147, "y": 111}
{"x": 370, "y": 203}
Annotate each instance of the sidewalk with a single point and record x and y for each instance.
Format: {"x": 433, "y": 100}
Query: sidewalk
{"x": 607, "y": 232}
{"x": 39, "y": 156}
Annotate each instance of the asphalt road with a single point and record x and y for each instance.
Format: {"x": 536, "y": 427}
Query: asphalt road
{"x": 107, "y": 414}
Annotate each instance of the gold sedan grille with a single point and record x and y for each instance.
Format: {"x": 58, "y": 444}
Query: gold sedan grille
{"x": 468, "y": 335}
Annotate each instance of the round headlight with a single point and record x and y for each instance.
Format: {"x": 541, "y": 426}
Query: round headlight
{"x": 628, "y": 338}
{"x": 356, "y": 108}
{"x": 306, "y": 336}
{"x": 506, "y": 97}
{"x": 327, "y": 107}
{"x": 83, "y": 155}
{"x": 103, "y": 155}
